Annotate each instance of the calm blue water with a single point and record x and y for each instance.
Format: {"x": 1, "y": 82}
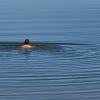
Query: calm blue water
{"x": 65, "y": 62}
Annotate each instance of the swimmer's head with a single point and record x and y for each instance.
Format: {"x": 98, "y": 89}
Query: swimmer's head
{"x": 26, "y": 41}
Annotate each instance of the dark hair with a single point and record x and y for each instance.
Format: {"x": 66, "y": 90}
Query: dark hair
{"x": 26, "y": 41}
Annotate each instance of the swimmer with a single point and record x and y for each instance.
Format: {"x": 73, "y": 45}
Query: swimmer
{"x": 26, "y": 44}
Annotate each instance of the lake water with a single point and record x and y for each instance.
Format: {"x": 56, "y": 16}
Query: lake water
{"x": 65, "y": 62}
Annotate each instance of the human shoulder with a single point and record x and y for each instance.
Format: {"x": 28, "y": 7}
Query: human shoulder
{"x": 27, "y": 46}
